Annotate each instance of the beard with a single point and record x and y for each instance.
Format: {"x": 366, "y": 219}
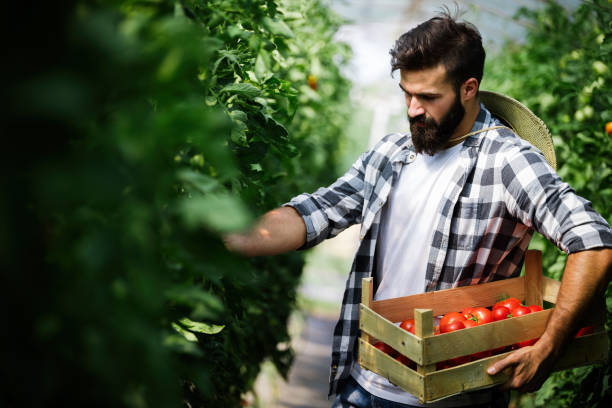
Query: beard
{"x": 430, "y": 137}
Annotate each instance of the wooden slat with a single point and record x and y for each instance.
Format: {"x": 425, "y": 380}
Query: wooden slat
{"x": 550, "y": 289}
{"x": 585, "y": 350}
{"x": 423, "y": 327}
{"x": 377, "y": 326}
{"x": 533, "y": 278}
{"x": 470, "y": 376}
{"x": 375, "y": 360}
{"x": 367, "y": 294}
{"x": 486, "y": 337}
{"x": 450, "y": 300}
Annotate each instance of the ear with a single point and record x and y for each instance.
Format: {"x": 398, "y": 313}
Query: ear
{"x": 469, "y": 89}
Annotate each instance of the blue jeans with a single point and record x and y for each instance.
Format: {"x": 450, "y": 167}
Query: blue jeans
{"x": 353, "y": 395}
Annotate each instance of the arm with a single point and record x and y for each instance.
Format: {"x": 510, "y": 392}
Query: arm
{"x": 277, "y": 231}
{"x": 539, "y": 199}
{"x": 585, "y": 278}
{"x": 307, "y": 219}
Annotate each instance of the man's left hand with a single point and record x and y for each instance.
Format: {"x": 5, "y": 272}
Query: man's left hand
{"x": 530, "y": 367}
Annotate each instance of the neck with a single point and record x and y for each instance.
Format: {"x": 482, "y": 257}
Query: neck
{"x": 467, "y": 123}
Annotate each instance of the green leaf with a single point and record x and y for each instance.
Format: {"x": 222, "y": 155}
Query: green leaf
{"x": 186, "y": 334}
{"x": 181, "y": 345}
{"x": 219, "y": 212}
{"x": 262, "y": 66}
{"x": 201, "y": 327}
{"x": 238, "y": 115}
{"x": 188, "y": 295}
{"x": 199, "y": 181}
{"x": 277, "y": 27}
{"x": 244, "y": 89}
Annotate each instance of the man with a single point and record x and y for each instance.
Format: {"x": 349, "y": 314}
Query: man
{"x": 454, "y": 203}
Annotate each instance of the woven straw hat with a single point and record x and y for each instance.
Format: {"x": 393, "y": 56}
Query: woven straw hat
{"x": 523, "y": 121}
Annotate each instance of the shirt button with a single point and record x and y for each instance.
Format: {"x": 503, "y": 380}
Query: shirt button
{"x": 411, "y": 156}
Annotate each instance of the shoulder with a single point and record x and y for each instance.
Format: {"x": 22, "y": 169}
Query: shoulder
{"x": 503, "y": 146}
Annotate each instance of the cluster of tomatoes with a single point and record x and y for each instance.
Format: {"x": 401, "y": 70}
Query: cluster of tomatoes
{"x": 470, "y": 317}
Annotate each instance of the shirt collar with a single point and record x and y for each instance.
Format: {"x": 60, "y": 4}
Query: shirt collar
{"x": 483, "y": 119}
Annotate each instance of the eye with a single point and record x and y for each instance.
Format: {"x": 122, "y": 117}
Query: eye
{"x": 428, "y": 98}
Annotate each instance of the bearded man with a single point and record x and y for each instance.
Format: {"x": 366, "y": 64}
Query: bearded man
{"x": 453, "y": 203}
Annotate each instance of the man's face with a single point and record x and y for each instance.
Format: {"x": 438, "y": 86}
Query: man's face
{"x": 434, "y": 108}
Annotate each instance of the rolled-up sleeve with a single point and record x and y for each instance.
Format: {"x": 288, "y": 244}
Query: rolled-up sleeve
{"x": 330, "y": 210}
{"x": 537, "y": 196}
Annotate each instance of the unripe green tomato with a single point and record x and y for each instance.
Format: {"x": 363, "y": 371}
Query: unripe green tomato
{"x": 600, "y": 67}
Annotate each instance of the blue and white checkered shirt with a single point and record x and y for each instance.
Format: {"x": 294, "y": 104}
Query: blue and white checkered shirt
{"x": 502, "y": 190}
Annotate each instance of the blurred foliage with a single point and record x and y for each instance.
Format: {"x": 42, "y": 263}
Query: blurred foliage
{"x": 562, "y": 72}
{"x": 141, "y": 131}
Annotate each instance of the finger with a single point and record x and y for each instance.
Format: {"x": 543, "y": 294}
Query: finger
{"x": 500, "y": 365}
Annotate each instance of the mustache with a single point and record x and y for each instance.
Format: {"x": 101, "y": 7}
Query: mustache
{"x": 421, "y": 119}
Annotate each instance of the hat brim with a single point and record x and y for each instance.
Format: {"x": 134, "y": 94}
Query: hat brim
{"x": 523, "y": 121}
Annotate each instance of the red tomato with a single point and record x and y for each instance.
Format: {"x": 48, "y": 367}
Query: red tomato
{"x": 406, "y": 361}
{"x": 450, "y": 327}
{"x": 500, "y": 313}
{"x": 482, "y": 354}
{"x": 584, "y": 331}
{"x": 459, "y": 360}
{"x": 469, "y": 323}
{"x": 527, "y": 343}
{"x": 535, "y": 308}
{"x": 385, "y": 348}
{"x": 520, "y": 311}
{"x": 499, "y": 350}
{"x": 450, "y": 318}
{"x": 442, "y": 365}
{"x": 312, "y": 81}
{"x": 483, "y": 315}
{"x": 468, "y": 312}
{"x": 408, "y": 325}
{"x": 510, "y": 303}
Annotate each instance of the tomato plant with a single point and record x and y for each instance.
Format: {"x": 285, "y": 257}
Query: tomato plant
{"x": 165, "y": 124}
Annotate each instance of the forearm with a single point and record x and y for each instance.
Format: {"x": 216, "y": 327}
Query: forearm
{"x": 586, "y": 276}
{"x": 277, "y": 231}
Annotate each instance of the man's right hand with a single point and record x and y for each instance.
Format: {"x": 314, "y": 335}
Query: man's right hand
{"x": 280, "y": 230}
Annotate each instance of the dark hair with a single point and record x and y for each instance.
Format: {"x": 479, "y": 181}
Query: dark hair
{"x": 441, "y": 40}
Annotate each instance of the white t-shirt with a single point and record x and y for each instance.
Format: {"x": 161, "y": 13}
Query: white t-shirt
{"x": 407, "y": 226}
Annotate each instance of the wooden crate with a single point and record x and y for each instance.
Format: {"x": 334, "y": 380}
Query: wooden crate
{"x": 428, "y": 384}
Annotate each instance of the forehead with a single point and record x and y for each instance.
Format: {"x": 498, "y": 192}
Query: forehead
{"x": 428, "y": 80}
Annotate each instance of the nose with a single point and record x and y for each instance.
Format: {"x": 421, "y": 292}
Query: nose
{"x": 414, "y": 107}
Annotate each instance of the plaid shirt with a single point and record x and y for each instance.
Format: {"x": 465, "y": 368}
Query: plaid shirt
{"x": 502, "y": 190}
